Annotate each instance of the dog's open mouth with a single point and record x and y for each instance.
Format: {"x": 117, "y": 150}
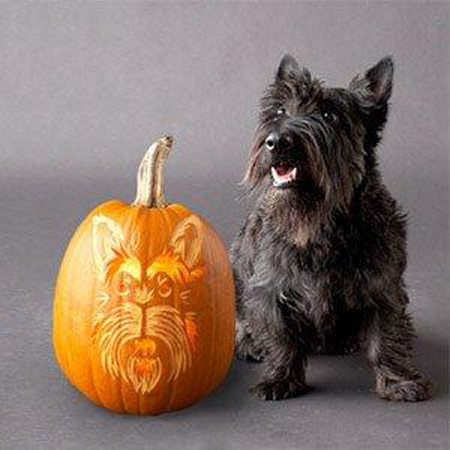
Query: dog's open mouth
{"x": 283, "y": 174}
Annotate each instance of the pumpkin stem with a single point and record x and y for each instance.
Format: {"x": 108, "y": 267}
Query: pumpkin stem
{"x": 150, "y": 181}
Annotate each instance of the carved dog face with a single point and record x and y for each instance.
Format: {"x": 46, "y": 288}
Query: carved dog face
{"x": 143, "y": 325}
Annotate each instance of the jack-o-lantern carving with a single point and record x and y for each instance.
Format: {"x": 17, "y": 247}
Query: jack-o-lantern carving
{"x": 144, "y": 302}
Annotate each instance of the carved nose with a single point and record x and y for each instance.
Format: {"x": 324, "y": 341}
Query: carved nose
{"x": 145, "y": 347}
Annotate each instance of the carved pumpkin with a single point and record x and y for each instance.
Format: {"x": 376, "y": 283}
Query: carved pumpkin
{"x": 144, "y": 302}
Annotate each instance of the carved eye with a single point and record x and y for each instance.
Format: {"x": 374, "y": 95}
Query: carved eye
{"x": 165, "y": 291}
{"x": 124, "y": 285}
{"x": 128, "y": 275}
{"x": 281, "y": 111}
{"x": 165, "y": 287}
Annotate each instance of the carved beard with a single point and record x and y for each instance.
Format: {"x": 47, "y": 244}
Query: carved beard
{"x": 128, "y": 338}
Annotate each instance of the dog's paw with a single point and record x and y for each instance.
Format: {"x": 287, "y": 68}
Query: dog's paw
{"x": 278, "y": 390}
{"x": 406, "y": 390}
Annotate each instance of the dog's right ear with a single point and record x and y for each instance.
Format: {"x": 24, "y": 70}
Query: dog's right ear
{"x": 373, "y": 92}
{"x": 375, "y": 87}
{"x": 288, "y": 68}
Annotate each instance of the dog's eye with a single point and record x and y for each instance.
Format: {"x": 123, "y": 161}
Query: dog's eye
{"x": 330, "y": 116}
{"x": 281, "y": 110}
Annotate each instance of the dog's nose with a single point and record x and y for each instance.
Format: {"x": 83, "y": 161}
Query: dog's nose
{"x": 271, "y": 141}
{"x": 276, "y": 142}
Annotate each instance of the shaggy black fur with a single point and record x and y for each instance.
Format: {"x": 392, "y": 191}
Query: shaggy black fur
{"x": 319, "y": 261}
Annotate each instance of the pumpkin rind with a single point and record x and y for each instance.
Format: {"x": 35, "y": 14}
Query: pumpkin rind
{"x": 144, "y": 308}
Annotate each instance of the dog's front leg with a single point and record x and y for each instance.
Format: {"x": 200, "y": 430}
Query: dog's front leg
{"x": 389, "y": 350}
{"x": 284, "y": 355}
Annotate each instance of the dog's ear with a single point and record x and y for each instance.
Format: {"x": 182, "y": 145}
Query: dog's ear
{"x": 288, "y": 68}
{"x": 372, "y": 93}
{"x": 375, "y": 88}
{"x": 380, "y": 78}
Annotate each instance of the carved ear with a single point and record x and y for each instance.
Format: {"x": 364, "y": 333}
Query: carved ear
{"x": 107, "y": 237}
{"x": 187, "y": 240}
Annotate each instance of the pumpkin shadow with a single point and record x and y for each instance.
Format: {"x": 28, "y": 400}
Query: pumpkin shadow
{"x": 230, "y": 395}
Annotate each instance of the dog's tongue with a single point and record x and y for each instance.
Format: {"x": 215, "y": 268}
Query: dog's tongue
{"x": 283, "y": 169}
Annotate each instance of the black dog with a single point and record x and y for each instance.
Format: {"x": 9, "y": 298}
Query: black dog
{"x": 319, "y": 261}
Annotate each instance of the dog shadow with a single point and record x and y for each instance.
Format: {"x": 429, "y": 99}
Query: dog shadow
{"x": 432, "y": 359}
{"x": 346, "y": 375}
{"x": 351, "y": 375}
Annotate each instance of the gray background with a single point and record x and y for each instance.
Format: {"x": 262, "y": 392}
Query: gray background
{"x": 85, "y": 87}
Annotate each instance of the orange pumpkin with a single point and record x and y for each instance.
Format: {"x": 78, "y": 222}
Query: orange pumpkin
{"x": 143, "y": 318}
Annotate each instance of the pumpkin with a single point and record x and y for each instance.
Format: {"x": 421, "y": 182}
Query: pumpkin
{"x": 143, "y": 318}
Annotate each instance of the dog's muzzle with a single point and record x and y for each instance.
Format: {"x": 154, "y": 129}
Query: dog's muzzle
{"x": 283, "y": 172}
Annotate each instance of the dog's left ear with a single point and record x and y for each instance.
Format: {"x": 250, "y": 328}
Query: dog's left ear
{"x": 376, "y": 87}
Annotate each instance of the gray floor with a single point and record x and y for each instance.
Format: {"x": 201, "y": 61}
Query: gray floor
{"x": 39, "y": 409}
{"x": 84, "y": 87}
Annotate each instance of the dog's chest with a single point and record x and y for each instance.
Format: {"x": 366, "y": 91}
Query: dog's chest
{"x": 309, "y": 285}
{"x": 311, "y": 296}
{"x": 306, "y": 282}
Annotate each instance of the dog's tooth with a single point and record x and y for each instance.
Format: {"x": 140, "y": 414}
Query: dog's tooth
{"x": 274, "y": 173}
{"x": 278, "y": 180}
{"x": 294, "y": 173}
